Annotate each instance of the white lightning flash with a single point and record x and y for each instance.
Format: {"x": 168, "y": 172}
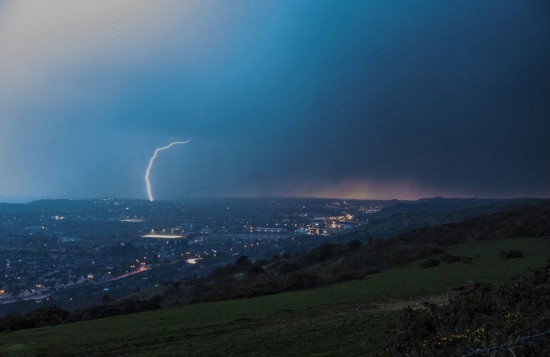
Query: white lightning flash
{"x": 152, "y": 160}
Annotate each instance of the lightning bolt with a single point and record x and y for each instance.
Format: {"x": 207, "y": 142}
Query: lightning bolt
{"x": 152, "y": 161}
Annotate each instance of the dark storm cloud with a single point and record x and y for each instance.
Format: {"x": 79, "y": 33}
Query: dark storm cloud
{"x": 450, "y": 96}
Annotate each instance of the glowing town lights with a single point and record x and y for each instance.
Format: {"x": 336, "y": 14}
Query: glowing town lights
{"x": 152, "y": 160}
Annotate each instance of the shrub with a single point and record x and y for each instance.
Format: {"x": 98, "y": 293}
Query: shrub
{"x": 510, "y": 254}
{"x": 354, "y": 244}
{"x": 44, "y": 316}
{"x": 242, "y": 264}
{"x": 448, "y": 258}
{"x": 430, "y": 263}
{"x": 511, "y": 320}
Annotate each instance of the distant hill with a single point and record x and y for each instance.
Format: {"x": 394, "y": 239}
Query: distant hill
{"x": 446, "y": 205}
{"x": 523, "y": 221}
{"x": 404, "y": 216}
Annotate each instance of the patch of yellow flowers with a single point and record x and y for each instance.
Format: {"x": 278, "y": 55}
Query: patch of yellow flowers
{"x": 475, "y": 336}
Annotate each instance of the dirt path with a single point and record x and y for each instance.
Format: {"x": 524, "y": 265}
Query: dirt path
{"x": 413, "y": 302}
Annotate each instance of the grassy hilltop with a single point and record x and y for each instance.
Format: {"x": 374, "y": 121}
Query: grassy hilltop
{"x": 357, "y": 317}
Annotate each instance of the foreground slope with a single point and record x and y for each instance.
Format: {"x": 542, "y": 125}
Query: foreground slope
{"x": 355, "y": 317}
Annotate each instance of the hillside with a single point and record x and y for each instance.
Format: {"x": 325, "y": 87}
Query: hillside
{"x": 513, "y": 319}
{"x": 356, "y": 290}
{"x": 354, "y": 318}
{"x": 404, "y": 216}
{"x": 332, "y": 263}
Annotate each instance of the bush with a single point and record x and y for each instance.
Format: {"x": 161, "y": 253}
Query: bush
{"x": 242, "y": 264}
{"x": 448, "y": 258}
{"x": 510, "y": 254}
{"x": 256, "y": 270}
{"x": 483, "y": 317}
{"x": 44, "y": 316}
{"x": 323, "y": 252}
{"x": 121, "y": 307}
{"x": 430, "y": 263}
{"x": 354, "y": 244}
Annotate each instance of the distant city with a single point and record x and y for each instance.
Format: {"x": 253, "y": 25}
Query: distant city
{"x": 78, "y": 252}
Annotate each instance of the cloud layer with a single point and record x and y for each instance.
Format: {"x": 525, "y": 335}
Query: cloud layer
{"x": 371, "y": 100}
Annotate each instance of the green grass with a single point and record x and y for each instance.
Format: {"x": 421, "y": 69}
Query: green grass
{"x": 336, "y": 319}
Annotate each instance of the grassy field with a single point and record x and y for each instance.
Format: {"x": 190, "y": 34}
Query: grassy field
{"x": 336, "y": 319}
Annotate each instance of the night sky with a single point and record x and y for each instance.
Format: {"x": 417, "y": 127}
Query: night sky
{"x": 357, "y": 99}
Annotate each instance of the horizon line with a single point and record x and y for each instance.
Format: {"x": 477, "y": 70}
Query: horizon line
{"x": 27, "y": 200}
